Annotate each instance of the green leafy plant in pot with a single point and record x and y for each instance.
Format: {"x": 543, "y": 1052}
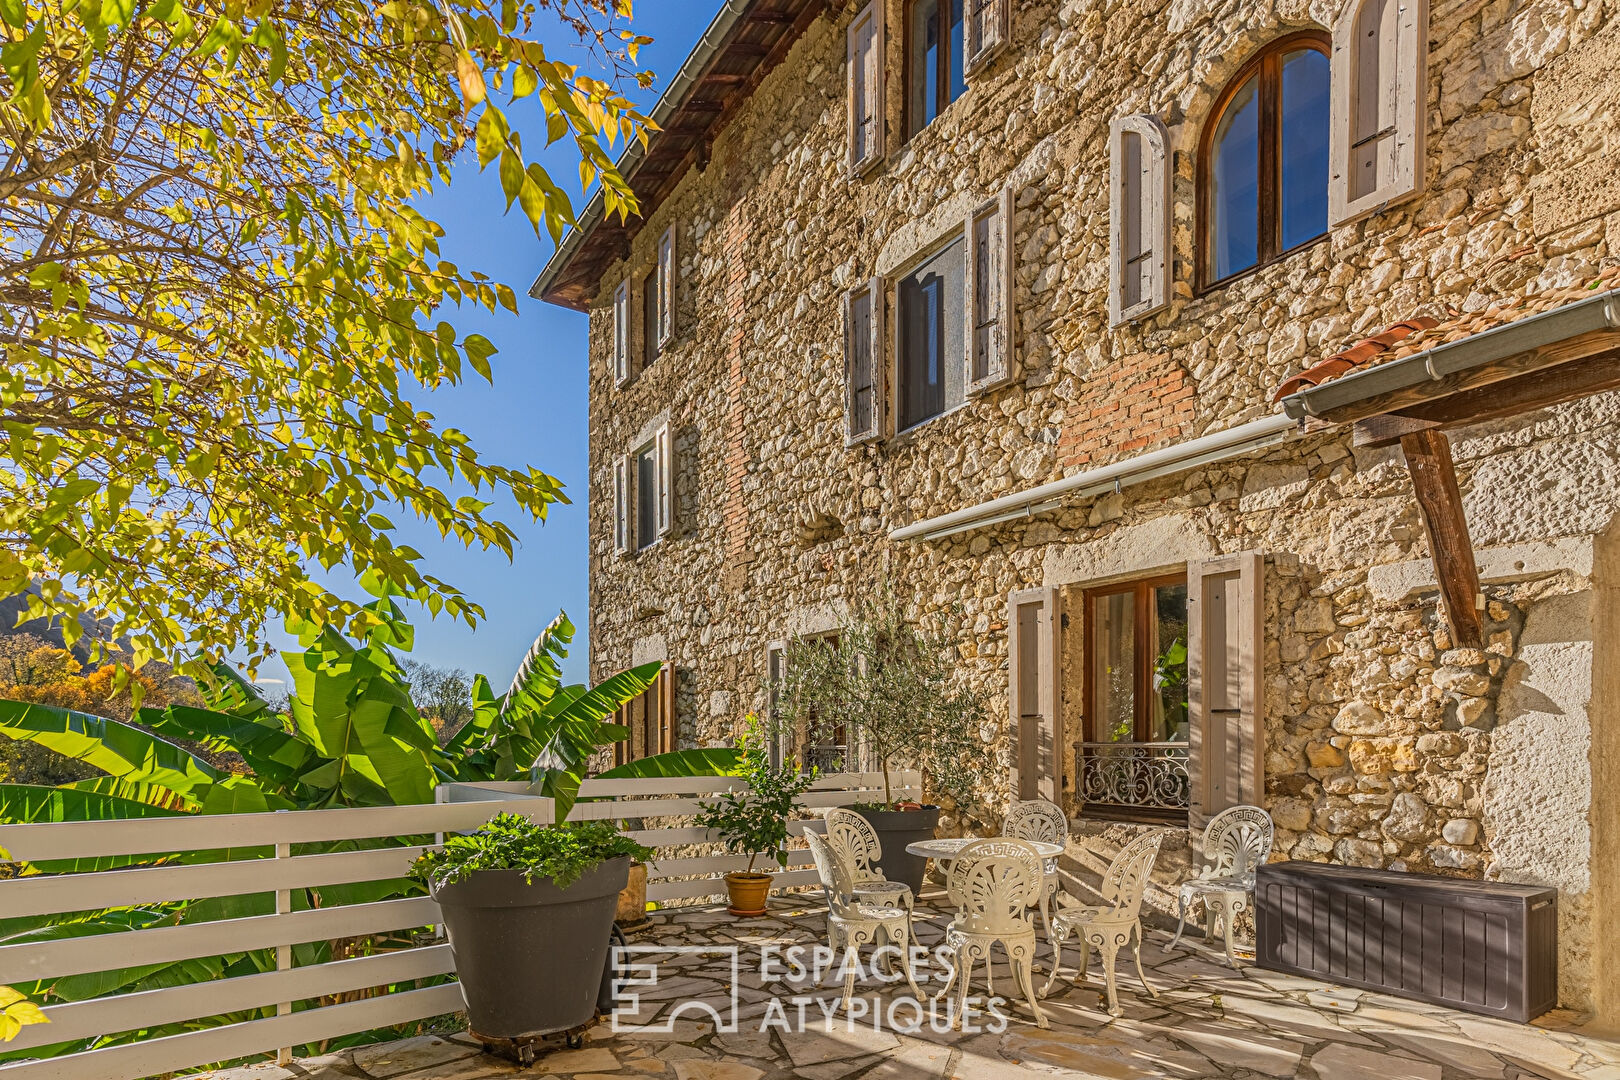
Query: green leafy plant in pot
{"x": 529, "y": 909}
{"x": 889, "y": 686}
{"x": 753, "y": 821}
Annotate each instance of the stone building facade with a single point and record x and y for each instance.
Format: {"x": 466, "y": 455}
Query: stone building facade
{"x": 1379, "y": 740}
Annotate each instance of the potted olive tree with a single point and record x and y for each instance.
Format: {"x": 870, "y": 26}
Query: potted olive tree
{"x": 753, "y": 821}
{"x": 529, "y": 910}
{"x": 887, "y": 687}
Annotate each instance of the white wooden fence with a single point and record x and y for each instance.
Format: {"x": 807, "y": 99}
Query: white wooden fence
{"x": 461, "y": 807}
{"x": 662, "y": 802}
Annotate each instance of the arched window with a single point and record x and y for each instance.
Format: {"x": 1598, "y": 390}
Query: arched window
{"x": 1263, "y": 164}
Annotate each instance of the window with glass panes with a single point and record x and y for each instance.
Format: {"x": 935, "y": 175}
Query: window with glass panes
{"x": 934, "y": 75}
{"x": 1136, "y": 661}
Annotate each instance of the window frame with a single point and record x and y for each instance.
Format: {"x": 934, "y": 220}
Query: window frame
{"x": 951, "y": 42}
{"x": 897, "y": 326}
{"x": 627, "y": 494}
{"x": 1141, "y": 590}
{"x": 1267, "y": 66}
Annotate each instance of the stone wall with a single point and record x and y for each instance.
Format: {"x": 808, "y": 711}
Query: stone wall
{"x": 1385, "y": 745}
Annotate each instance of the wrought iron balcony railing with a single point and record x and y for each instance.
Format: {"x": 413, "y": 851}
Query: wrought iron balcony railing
{"x": 1149, "y": 776}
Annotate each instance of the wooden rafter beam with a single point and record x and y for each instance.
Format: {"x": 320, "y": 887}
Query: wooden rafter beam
{"x": 1434, "y": 478}
{"x": 1586, "y": 346}
{"x": 1511, "y": 397}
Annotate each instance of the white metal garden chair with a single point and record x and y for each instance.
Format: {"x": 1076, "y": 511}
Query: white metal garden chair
{"x": 994, "y": 883}
{"x": 852, "y": 923}
{"x": 1237, "y": 840}
{"x": 1038, "y": 819}
{"x": 1111, "y": 925}
{"x": 855, "y": 841}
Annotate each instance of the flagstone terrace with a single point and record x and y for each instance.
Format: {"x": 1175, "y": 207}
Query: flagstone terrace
{"x": 1208, "y": 1021}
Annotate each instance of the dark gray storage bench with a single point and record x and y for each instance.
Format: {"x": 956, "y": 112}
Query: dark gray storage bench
{"x": 1481, "y": 946}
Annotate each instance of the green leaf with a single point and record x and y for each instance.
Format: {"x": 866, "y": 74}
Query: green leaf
{"x": 479, "y": 349}
{"x": 113, "y": 747}
{"x": 718, "y": 761}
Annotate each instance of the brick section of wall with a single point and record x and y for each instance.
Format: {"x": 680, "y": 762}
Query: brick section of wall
{"x": 1143, "y": 402}
{"x": 738, "y": 554}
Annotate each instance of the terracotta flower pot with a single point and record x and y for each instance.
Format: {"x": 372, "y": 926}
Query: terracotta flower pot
{"x": 747, "y": 892}
{"x": 631, "y": 913}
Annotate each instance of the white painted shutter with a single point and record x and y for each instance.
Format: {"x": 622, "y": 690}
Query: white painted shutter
{"x": 1225, "y": 657}
{"x": 1036, "y": 770}
{"x": 863, "y": 363}
{"x": 621, "y": 504}
{"x": 989, "y": 307}
{"x": 1139, "y": 217}
{"x": 1378, "y": 115}
{"x": 663, "y": 456}
{"x": 864, "y": 49}
{"x": 985, "y": 30}
{"x": 666, "y": 287}
{"x": 621, "y": 333}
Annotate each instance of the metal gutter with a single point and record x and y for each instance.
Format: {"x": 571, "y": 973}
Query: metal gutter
{"x": 725, "y": 20}
{"x": 1231, "y": 443}
{"x": 1599, "y": 312}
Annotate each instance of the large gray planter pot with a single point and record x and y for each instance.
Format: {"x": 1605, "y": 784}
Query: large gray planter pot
{"x": 896, "y": 829}
{"x": 530, "y": 956}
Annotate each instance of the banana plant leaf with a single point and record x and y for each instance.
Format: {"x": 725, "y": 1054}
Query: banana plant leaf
{"x": 345, "y": 707}
{"x": 573, "y": 727}
{"x": 268, "y": 750}
{"x": 119, "y": 788}
{"x": 34, "y": 803}
{"x": 115, "y": 748}
{"x": 719, "y": 761}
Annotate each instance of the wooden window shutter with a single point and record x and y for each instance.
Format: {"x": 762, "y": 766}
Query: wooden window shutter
{"x": 665, "y": 496}
{"x": 989, "y": 307}
{"x": 621, "y": 505}
{"x": 665, "y": 688}
{"x": 781, "y": 742}
{"x": 621, "y": 333}
{"x": 666, "y": 287}
{"x": 621, "y": 749}
{"x": 1379, "y": 106}
{"x": 985, "y": 31}
{"x": 864, "y": 46}
{"x": 1139, "y": 218}
{"x": 1225, "y": 655}
{"x": 1033, "y": 619}
{"x": 863, "y": 363}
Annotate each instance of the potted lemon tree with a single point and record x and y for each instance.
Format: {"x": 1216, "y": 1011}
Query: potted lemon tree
{"x": 753, "y": 821}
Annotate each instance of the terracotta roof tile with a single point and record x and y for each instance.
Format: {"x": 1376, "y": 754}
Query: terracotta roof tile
{"x": 1415, "y": 335}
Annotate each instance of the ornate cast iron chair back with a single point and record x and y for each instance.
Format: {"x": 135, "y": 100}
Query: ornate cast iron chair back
{"x": 1127, "y": 878}
{"x": 853, "y": 837}
{"x": 993, "y": 883}
{"x": 1238, "y": 839}
{"x": 1036, "y": 819}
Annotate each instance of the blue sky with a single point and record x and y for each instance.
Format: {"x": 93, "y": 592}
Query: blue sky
{"x": 534, "y": 414}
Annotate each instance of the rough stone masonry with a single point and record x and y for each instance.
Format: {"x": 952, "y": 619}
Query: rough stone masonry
{"x": 1385, "y": 745}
